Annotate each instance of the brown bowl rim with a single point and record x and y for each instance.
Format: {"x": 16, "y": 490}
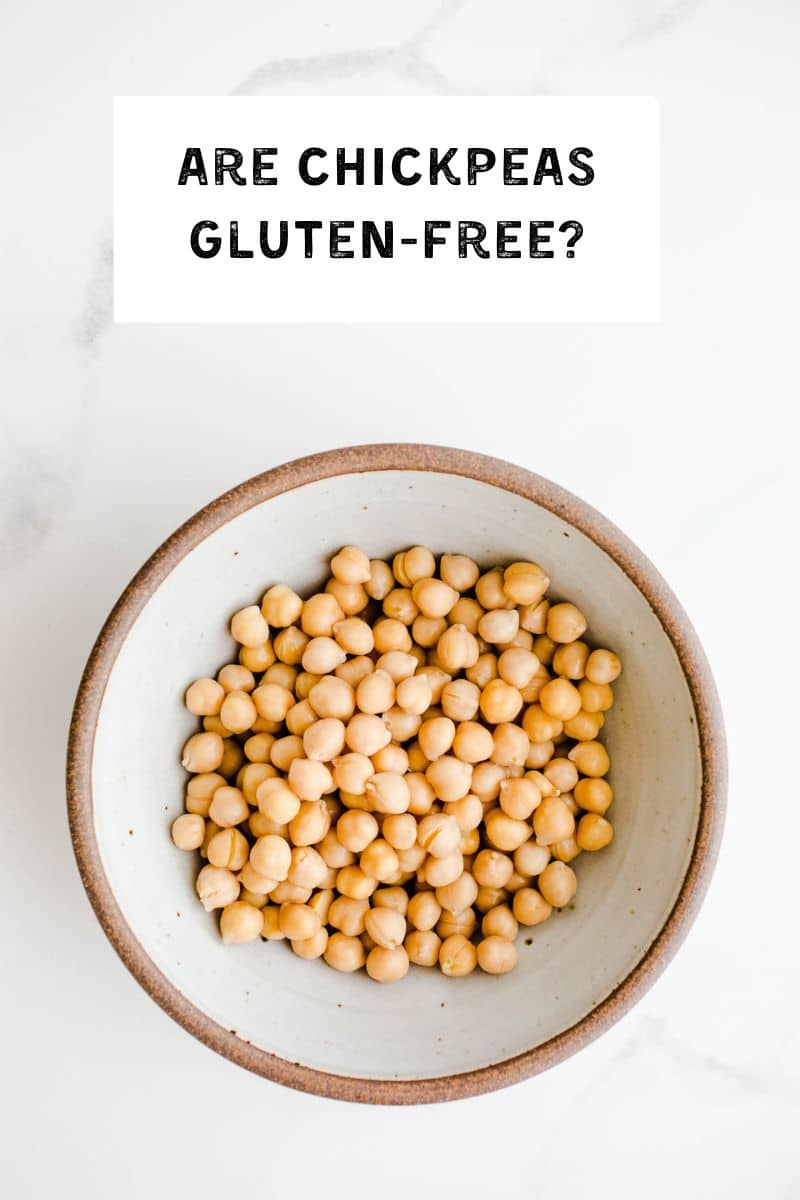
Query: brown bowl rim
{"x": 518, "y": 481}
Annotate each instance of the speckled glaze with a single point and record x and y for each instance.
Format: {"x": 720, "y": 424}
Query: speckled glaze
{"x": 389, "y": 457}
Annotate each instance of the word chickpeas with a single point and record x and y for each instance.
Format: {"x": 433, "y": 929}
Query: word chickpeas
{"x": 401, "y": 768}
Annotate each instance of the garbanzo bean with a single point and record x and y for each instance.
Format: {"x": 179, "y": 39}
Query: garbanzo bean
{"x": 188, "y": 832}
{"x": 492, "y": 869}
{"x": 400, "y": 830}
{"x": 500, "y": 702}
{"x": 530, "y": 907}
{"x": 591, "y": 758}
{"x": 458, "y": 895}
{"x": 228, "y": 848}
{"x": 204, "y": 697}
{"x": 240, "y": 922}
{"x": 351, "y": 597}
{"x": 216, "y": 887}
{"x": 593, "y": 795}
{"x": 344, "y": 953}
{"x": 594, "y": 832}
{"x": 496, "y": 955}
{"x": 202, "y": 753}
{"x": 500, "y": 922}
{"x": 228, "y": 807}
{"x": 558, "y": 884}
{"x": 248, "y": 627}
{"x": 351, "y": 565}
{"x": 459, "y": 571}
{"x": 387, "y": 965}
{"x": 457, "y": 649}
{"x": 386, "y": 927}
{"x": 519, "y": 797}
{"x": 457, "y": 956}
{"x": 422, "y": 947}
{"x": 271, "y": 929}
{"x": 298, "y": 921}
{"x": 552, "y": 821}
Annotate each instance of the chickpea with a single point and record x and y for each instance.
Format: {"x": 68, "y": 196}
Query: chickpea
{"x": 391, "y": 634}
{"x": 594, "y": 832}
{"x": 439, "y": 834}
{"x": 248, "y": 627}
{"x": 351, "y": 565}
{"x": 216, "y": 887}
{"x": 320, "y": 614}
{"x": 444, "y": 869}
{"x": 530, "y": 907}
{"x": 468, "y": 812}
{"x": 591, "y": 758}
{"x": 277, "y": 801}
{"x": 290, "y": 893}
{"x": 388, "y": 792}
{"x": 562, "y": 773}
{"x": 460, "y": 699}
{"x": 484, "y": 670}
{"x": 289, "y": 645}
{"x": 466, "y": 612}
{"x": 307, "y": 869}
{"x": 414, "y": 694}
{"x": 397, "y": 664}
{"x": 298, "y": 922}
{"x": 603, "y": 667}
{"x": 385, "y": 965}
{"x": 204, "y": 697}
{"x": 539, "y": 725}
{"x": 433, "y": 597}
{"x": 257, "y": 748}
{"x": 565, "y": 623}
{"x": 391, "y": 897}
{"x": 486, "y": 780}
{"x": 595, "y": 697}
{"x": 472, "y": 742}
{"x": 500, "y": 922}
{"x": 386, "y": 927}
{"x": 594, "y": 795}
{"x": 310, "y": 824}
{"x": 552, "y": 821}
{"x": 457, "y": 956}
{"x": 347, "y": 914}
{"x": 558, "y": 884}
{"x": 351, "y": 597}
{"x": 570, "y": 660}
{"x": 585, "y": 726}
{"x": 560, "y": 699}
{"x": 460, "y": 894}
{"x": 324, "y": 740}
{"x": 400, "y": 724}
{"x": 202, "y": 753}
{"x": 499, "y": 626}
{"x": 489, "y": 590}
{"x": 366, "y": 734}
{"x": 422, "y": 947}
{"x": 435, "y": 737}
{"x": 254, "y": 899}
{"x": 539, "y": 754}
{"x": 228, "y": 848}
{"x": 519, "y": 798}
{"x": 533, "y": 617}
{"x": 232, "y": 758}
{"x": 322, "y": 654}
{"x": 271, "y": 856}
{"x": 334, "y": 854}
{"x": 459, "y": 572}
{"x": 457, "y": 649}
{"x": 400, "y": 830}
{"x": 517, "y": 667}
{"x": 355, "y": 669}
{"x": 510, "y": 745}
{"x": 492, "y": 869}
{"x": 525, "y": 583}
{"x": 240, "y": 922}
{"x": 504, "y": 832}
{"x": 285, "y": 750}
{"x": 426, "y": 631}
{"x": 280, "y": 606}
{"x": 254, "y": 882}
{"x": 500, "y": 702}
{"x": 352, "y": 882}
{"x": 379, "y": 861}
{"x": 496, "y": 955}
{"x": 272, "y": 701}
{"x": 544, "y": 648}
{"x": 228, "y": 807}
{"x": 399, "y": 606}
{"x": 449, "y": 777}
{"x": 199, "y": 791}
{"x": 188, "y": 831}
{"x": 257, "y": 658}
{"x": 236, "y": 678}
{"x": 424, "y": 910}
{"x": 531, "y": 859}
{"x": 421, "y": 795}
{"x": 355, "y": 830}
{"x": 344, "y": 953}
{"x": 313, "y": 947}
{"x": 566, "y": 850}
{"x": 271, "y": 928}
{"x": 542, "y": 782}
{"x": 381, "y": 580}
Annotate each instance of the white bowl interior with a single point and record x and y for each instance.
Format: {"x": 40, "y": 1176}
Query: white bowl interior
{"x": 426, "y": 1025}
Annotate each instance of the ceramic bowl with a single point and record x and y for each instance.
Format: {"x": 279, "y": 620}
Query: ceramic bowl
{"x": 428, "y": 1037}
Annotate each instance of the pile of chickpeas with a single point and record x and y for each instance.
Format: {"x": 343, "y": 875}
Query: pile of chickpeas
{"x": 400, "y": 768}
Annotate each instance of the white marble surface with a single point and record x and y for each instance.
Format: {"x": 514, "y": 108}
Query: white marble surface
{"x": 685, "y": 434}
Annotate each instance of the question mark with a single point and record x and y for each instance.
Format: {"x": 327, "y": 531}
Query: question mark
{"x": 576, "y": 236}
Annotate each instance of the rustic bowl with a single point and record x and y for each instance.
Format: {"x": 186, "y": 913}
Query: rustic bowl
{"x": 426, "y": 1038}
